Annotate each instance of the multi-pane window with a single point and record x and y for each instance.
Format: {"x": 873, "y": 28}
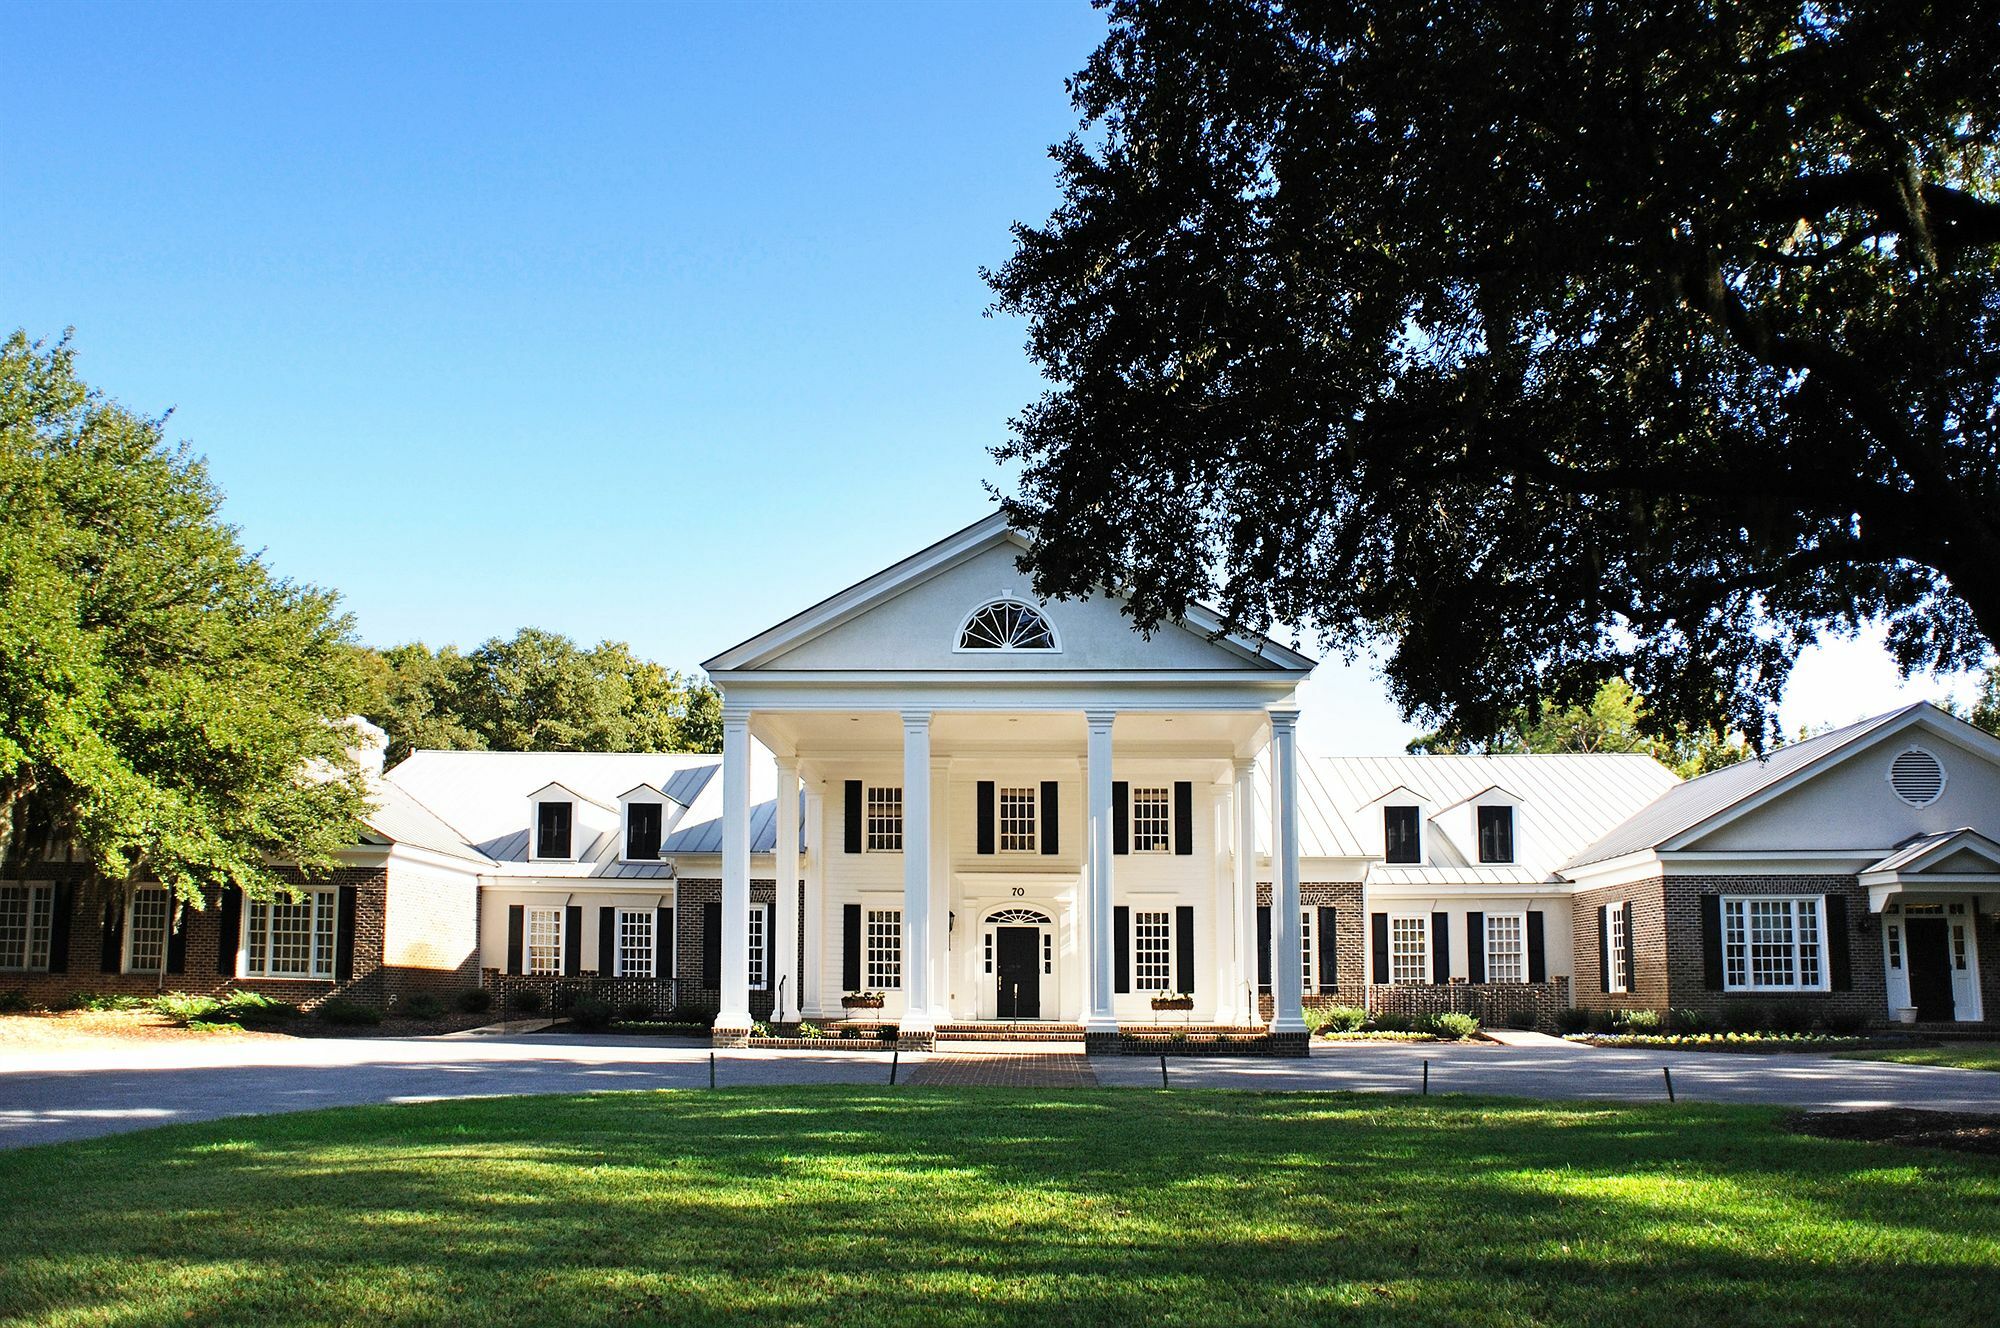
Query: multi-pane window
{"x": 1017, "y": 820}
{"x": 25, "y": 915}
{"x": 290, "y": 938}
{"x": 1399, "y": 835}
{"x": 552, "y": 829}
{"x": 760, "y": 918}
{"x": 635, "y": 942}
{"x": 642, "y": 831}
{"x": 151, "y": 916}
{"x": 1771, "y": 944}
{"x": 885, "y": 820}
{"x": 1306, "y": 921}
{"x": 1409, "y": 950}
{"x": 1616, "y": 938}
{"x": 545, "y": 940}
{"x": 1506, "y": 948}
{"x": 1152, "y": 820}
{"x": 1152, "y": 950}
{"x": 1895, "y": 946}
{"x": 1496, "y": 834}
{"x": 883, "y": 952}
{"x": 1958, "y": 946}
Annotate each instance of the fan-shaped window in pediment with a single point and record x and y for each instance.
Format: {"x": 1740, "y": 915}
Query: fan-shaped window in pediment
{"x": 1006, "y": 624}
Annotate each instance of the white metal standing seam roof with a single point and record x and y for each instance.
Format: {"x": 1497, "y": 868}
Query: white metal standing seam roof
{"x": 1709, "y": 795}
{"x": 400, "y": 818}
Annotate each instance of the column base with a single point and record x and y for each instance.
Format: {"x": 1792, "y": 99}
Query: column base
{"x": 1289, "y": 1024}
{"x": 1288, "y": 1043}
{"x": 720, "y": 1036}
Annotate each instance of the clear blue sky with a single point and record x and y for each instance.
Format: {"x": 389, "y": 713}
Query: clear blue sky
{"x": 636, "y": 322}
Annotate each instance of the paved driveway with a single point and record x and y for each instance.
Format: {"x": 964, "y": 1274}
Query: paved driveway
{"x": 70, "y": 1095}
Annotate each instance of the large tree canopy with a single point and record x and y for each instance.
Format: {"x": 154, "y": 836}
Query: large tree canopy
{"x": 538, "y": 691}
{"x": 1611, "y": 721}
{"x": 166, "y": 704}
{"x": 1537, "y": 342}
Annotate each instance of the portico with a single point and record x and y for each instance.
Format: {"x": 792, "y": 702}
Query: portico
{"x": 1010, "y": 810}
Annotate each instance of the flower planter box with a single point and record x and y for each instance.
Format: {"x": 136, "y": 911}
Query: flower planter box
{"x": 1173, "y": 1003}
{"x": 861, "y": 1002}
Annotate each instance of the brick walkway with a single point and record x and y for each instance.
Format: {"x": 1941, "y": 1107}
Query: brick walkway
{"x": 1065, "y": 1069}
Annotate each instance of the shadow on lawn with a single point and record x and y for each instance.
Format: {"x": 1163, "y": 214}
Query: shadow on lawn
{"x": 877, "y": 1206}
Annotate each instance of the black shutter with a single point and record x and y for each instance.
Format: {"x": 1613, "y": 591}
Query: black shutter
{"x": 1184, "y": 950}
{"x": 1475, "y": 947}
{"x": 711, "y": 945}
{"x": 1440, "y": 948}
{"x": 1121, "y": 949}
{"x": 1839, "y": 965}
{"x": 853, "y": 818}
{"x": 1183, "y": 818}
{"x": 663, "y": 943}
{"x": 572, "y": 940}
{"x": 111, "y": 955}
{"x": 229, "y": 928}
{"x": 1630, "y": 949}
{"x": 1538, "y": 954}
{"x": 517, "y": 936}
{"x": 343, "y": 933}
{"x": 1329, "y": 950}
{"x": 1711, "y": 942}
{"x": 61, "y": 900}
{"x": 771, "y": 949}
{"x": 1121, "y": 816}
{"x": 607, "y": 942}
{"x": 1263, "y": 947}
{"x": 1603, "y": 948}
{"x": 850, "y": 947}
{"x": 986, "y": 817}
{"x": 1378, "y": 927}
{"x": 1051, "y": 817}
{"x": 177, "y": 938}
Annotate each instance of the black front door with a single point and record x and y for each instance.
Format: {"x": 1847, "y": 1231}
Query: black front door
{"x": 1928, "y": 953}
{"x": 1017, "y": 964}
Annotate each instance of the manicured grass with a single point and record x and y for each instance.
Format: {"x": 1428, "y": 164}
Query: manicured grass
{"x": 859, "y": 1206}
{"x": 1963, "y": 1055}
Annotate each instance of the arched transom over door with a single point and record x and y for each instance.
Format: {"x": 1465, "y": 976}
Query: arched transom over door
{"x": 1018, "y": 962}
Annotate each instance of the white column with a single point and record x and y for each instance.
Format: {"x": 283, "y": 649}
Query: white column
{"x": 785, "y": 908}
{"x": 1097, "y": 864}
{"x": 918, "y": 922}
{"x": 1244, "y": 1002}
{"x": 812, "y": 1003}
{"x": 941, "y": 928}
{"x": 734, "y": 1015}
{"x": 1287, "y": 954}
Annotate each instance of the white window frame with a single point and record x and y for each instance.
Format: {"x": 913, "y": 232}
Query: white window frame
{"x": 260, "y": 932}
{"x": 1400, "y": 956}
{"x": 755, "y": 940}
{"x": 882, "y": 818}
{"x": 1154, "y": 831}
{"x": 37, "y": 904}
{"x": 1016, "y": 840}
{"x": 1153, "y": 942}
{"x": 1739, "y": 962}
{"x": 1518, "y": 958}
{"x": 1308, "y": 951}
{"x": 623, "y": 966}
{"x": 148, "y": 892}
{"x": 542, "y": 913}
{"x": 1617, "y": 938}
{"x": 881, "y": 949}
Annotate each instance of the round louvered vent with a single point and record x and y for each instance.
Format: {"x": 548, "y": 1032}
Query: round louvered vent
{"x": 1917, "y": 777}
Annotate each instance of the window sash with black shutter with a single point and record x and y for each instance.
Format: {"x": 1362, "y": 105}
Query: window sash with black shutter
{"x": 1604, "y": 948}
{"x": 1840, "y": 963}
{"x": 850, "y": 947}
{"x": 1121, "y": 949}
{"x": 1329, "y": 950}
{"x": 1711, "y": 942}
{"x": 177, "y": 937}
{"x": 1440, "y": 948}
{"x": 517, "y": 938}
{"x": 607, "y": 941}
{"x": 1378, "y": 946}
{"x": 1183, "y": 818}
{"x": 711, "y": 944}
{"x": 1051, "y": 818}
{"x": 1263, "y": 947}
{"x": 230, "y": 940}
{"x": 572, "y": 940}
{"x": 987, "y": 796}
{"x": 851, "y": 817}
{"x": 1475, "y": 947}
{"x": 111, "y": 954}
{"x": 1538, "y": 953}
{"x": 60, "y": 908}
{"x": 1184, "y": 949}
{"x": 666, "y": 946}
{"x": 345, "y": 906}
{"x": 1121, "y": 817}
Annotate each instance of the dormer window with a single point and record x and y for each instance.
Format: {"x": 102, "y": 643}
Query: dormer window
{"x": 1496, "y": 834}
{"x": 1401, "y": 839}
{"x": 552, "y": 829}
{"x": 642, "y": 831}
{"x": 1006, "y": 624}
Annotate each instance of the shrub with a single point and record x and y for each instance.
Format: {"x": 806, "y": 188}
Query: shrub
{"x": 475, "y": 1000}
{"x": 1686, "y": 1021}
{"x": 15, "y": 1002}
{"x": 1570, "y": 1019}
{"x": 1790, "y": 1017}
{"x": 424, "y": 1005}
{"x": 1451, "y": 1024}
{"x": 692, "y": 1014}
{"x": 590, "y": 1012}
{"x": 635, "y": 1012}
{"x": 1341, "y": 1019}
{"x": 526, "y": 1001}
{"x": 1744, "y": 1017}
{"x": 811, "y": 1031}
{"x": 758, "y": 1028}
{"x": 1636, "y": 1021}
{"x": 1392, "y": 1023}
{"x": 100, "y": 1001}
{"x": 1522, "y": 1020}
{"x": 180, "y": 1008}
{"x": 1844, "y": 1023}
{"x": 1603, "y": 1021}
{"x": 888, "y": 1032}
{"x": 254, "y": 1007}
{"x": 350, "y": 1014}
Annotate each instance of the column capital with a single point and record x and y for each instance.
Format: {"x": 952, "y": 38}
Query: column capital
{"x": 1284, "y": 720}
{"x": 1242, "y": 765}
{"x": 787, "y": 765}
{"x": 1100, "y": 717}
{"x": 916, "y": 719}
{"x": 735, "y": 715}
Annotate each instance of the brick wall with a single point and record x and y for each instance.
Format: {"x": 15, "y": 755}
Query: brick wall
{"x": 1350, "y": 942}
{"x": 689, "y": 897}
{"x": 1651, "y": 947}
{"x": 431, "y": 932}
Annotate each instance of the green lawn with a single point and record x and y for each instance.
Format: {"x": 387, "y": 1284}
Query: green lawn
{"x": 1964, "y": 1055}
{"x": 876, "y": 1205}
